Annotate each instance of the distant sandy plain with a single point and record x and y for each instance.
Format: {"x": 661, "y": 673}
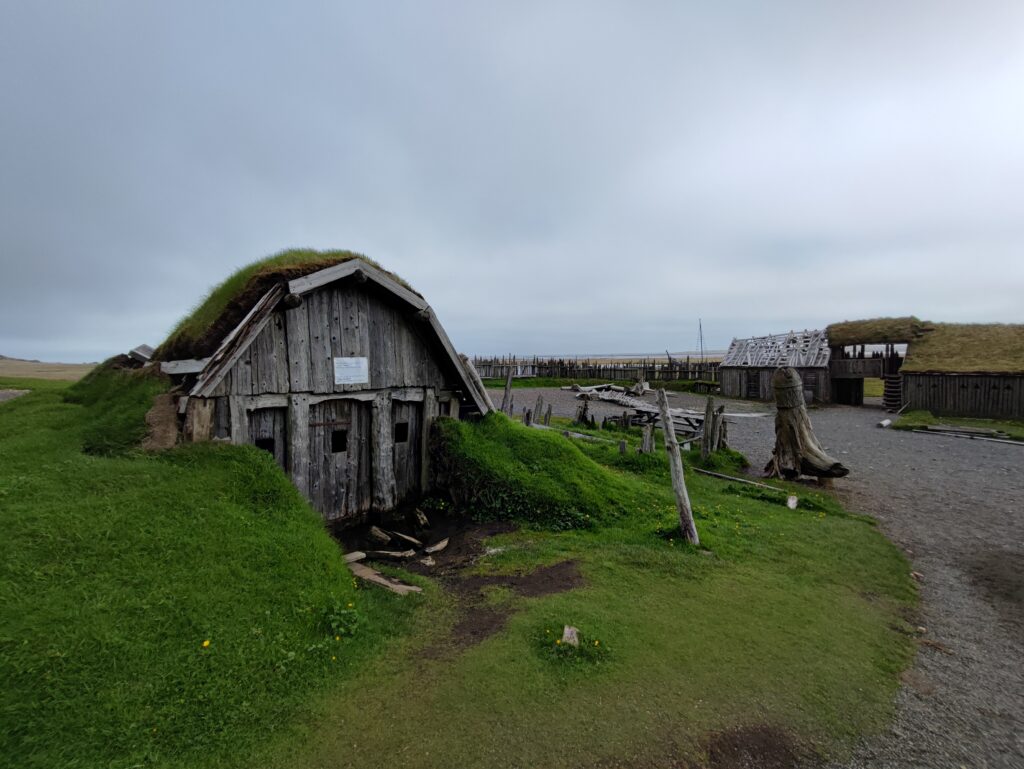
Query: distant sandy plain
{"x": 33, "y": 369}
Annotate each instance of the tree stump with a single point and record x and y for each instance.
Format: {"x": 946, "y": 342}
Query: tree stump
{"x": 797, "y": 450}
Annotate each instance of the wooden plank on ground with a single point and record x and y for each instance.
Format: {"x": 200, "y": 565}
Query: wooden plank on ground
{"x": 364, "y": 572}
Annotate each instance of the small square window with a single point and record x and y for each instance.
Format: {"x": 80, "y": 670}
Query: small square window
{"x": 339, "y": 441}
{"x": 267, "y": 444}
{"x": 401, "y": 432}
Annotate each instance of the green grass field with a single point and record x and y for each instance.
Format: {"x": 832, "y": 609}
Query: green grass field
{"x": 917, "y": 420}
{"x": 117, "y": 568}
{"x": 874, "y": 388}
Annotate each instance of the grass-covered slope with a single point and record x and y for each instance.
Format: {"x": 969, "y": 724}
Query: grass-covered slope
{"x": 116, "y": 401}
{"x": 784, "y": 622}
{"x": 167, "y": 610}
{"x": 495, "y": 468}
{"x": 198, "y": 333}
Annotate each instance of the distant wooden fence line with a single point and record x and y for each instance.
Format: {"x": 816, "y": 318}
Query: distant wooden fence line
{"x": 647, "y": 370}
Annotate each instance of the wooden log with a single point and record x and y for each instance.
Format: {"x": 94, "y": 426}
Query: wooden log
{"x": 394, "y": 555}
{"x": 622, "y": 447}
{"x": 547, "y": 416}
{"x": 797, "y": 450}
{"x": 538, "y": 408}
{"x": 379, "y": 536}
{"x": 675, "y": 461}
{"x": 364, "y": 572}
{"x": 527, "y": 416}
{"x": 355, "y": 555}
{"x": 406, "y": 538}
{"x": 437, "y": 547}
{"x": 506, "y": 400}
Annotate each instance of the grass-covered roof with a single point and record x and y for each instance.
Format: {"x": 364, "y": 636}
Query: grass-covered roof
{"x": 968, "y": 348}
{"x": 876, "y": 331}
{"x": 199, "y": 333}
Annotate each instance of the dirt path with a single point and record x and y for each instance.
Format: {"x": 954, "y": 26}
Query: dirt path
{"x": 957, "y": 507}
{"x": 6, "y": 395}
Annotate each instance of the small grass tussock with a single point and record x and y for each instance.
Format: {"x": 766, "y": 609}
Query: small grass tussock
{"x": 588, "y": 652}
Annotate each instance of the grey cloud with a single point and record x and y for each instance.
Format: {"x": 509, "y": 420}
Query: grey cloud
{"x": 554, "y": 177}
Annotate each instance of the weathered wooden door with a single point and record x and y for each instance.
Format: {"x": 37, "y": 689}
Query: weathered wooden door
{"x": 753, "y": 383}
{"x": 340, "y": 481}
{"x": 407, "y": 433}
{"x": 267, "y": 431}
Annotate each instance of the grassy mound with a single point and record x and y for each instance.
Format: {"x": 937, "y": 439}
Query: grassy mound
{"x": 198, "y": 333}
{"x": 116, "y": 401}
{"x": 498, "y": 469}
{"x": 170, "y": 610}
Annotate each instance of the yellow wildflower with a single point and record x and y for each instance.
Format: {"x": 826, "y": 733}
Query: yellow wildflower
{"x": 558, "y": 642}
{"x": 206, "y": 643}
{"x": 351, "y": 605}
{"x": 337, "y": 638}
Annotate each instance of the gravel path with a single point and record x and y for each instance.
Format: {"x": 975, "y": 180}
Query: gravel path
{"x": 957, "y": 507}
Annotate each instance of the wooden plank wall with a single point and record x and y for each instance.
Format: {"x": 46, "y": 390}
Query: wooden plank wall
{"x": 966, "y": 395}
{"x": 733, "y": 382}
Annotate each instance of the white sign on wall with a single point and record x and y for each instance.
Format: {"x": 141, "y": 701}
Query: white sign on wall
{"x": 350, "y": 371}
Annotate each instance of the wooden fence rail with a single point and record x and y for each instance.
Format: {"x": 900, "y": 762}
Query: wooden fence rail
{"x": 647, "y": 370}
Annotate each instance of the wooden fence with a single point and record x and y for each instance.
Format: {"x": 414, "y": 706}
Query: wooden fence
{"x": 611, "y": 371}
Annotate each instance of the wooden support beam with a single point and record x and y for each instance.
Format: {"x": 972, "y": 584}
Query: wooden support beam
{"x": 298, "y": 442}
{"x": 430, "y": 410}
{"x": 384, "y": 484}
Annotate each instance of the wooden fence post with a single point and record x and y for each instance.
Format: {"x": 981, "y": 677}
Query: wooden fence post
{"x": 709, "y": 429}
{"x": 506, "y": 401}
{"x": 675, "y": 462}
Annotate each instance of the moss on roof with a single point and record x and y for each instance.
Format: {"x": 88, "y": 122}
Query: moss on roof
{"x": 876, "y": 331}
{"x": 199, "y": 333}
{"x": 968, "y": 348}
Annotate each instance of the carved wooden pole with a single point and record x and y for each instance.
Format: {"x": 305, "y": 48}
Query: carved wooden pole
{"x": 796, "y": 447}
{"x": 675, "y": 462}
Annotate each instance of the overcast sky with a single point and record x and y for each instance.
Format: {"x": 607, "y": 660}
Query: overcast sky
{"x": 554, "y": 177}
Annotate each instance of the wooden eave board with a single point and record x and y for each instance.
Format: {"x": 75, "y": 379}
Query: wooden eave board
{"x": 236, "y": 342}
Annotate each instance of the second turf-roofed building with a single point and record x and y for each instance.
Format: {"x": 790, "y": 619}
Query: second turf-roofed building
{"x": 331, "y": 364}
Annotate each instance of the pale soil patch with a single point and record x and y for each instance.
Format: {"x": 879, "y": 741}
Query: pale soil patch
{"x": 6, "y": 395}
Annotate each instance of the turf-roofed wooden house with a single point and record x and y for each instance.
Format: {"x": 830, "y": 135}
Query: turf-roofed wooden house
{"x": 334, "y": 366}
